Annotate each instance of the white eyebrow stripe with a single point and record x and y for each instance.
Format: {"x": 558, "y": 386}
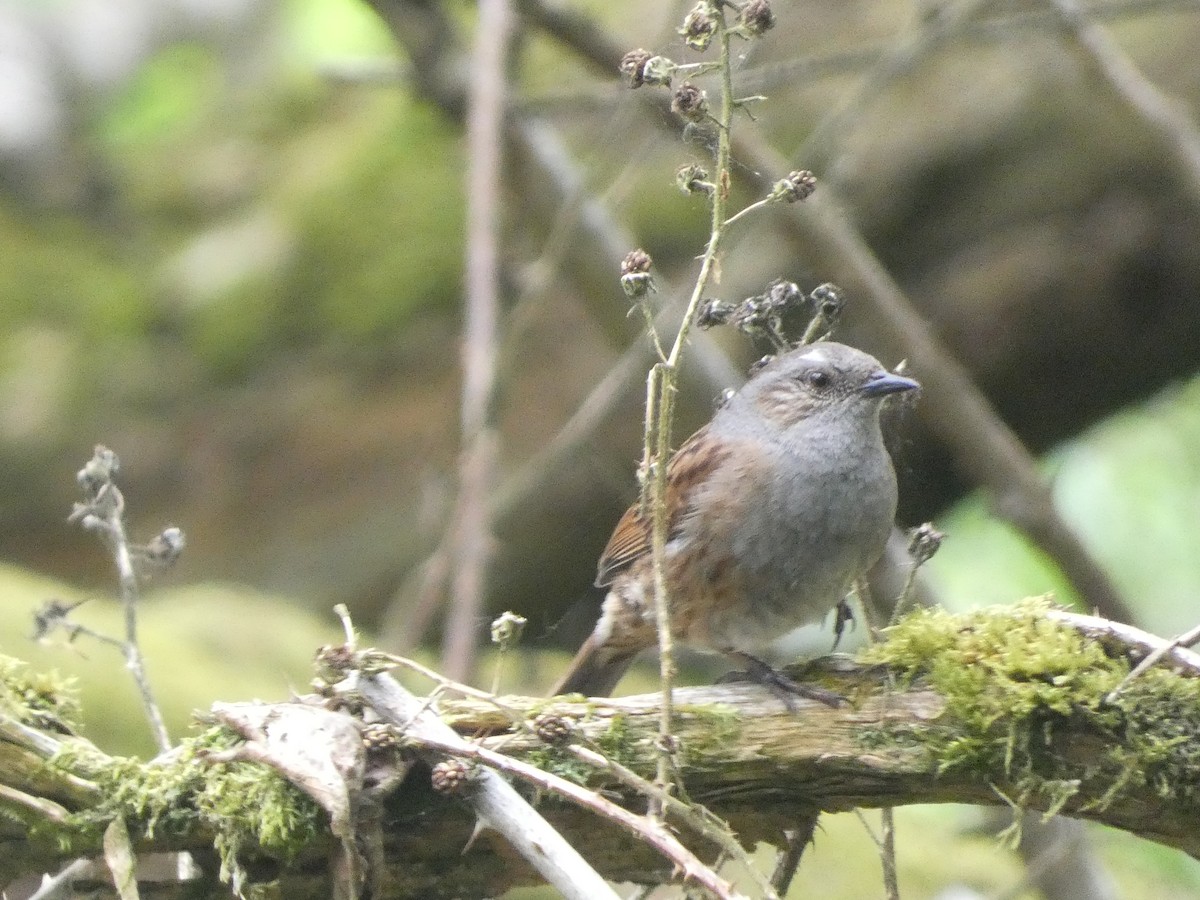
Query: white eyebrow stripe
{"x": 815, "y": 356}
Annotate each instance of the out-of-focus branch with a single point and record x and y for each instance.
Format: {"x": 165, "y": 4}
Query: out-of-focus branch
{"x": 1060, "y": 862}
{"x": 577, "y": 29}
{"x": 437, "y": 70}
{"x": 820, "y": 147}
{"x": 471, "y": 541}
{"x": 1164, "y": 117}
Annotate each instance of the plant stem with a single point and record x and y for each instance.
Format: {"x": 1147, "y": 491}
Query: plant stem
{"x": 127, "y": 579}
{"x": 660, "y": 397}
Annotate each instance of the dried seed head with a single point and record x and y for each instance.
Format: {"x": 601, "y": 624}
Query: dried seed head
{"x": 636, "y": 281}
{"x": 552, "y": 729}
{"x": 633, "y": 65}
{"x": 165, "y": 547}
{"x": 754, "y": 314}
{"x": 98, "y": 471}
{"x": 378, "y": 736}
{"x": 693, "y": 179}
{"x": 506, "y": 629}
{"x": 333, "y": 662}
{"x": 658, "y": 70}
{"x": 667, "y": 743}
{"x": 636, "y": 261}
{"x": 924, "y": 543}
{"x": 52, "y": 615}
{"x": 828, "y": 301}
{"x": 689, "y": 102}
{"x": 698, "y": 27}
{"x": 756, "y": 17}
{"x": 714, "y": 312}
{"x": 796, "y": 186}
{"x": 451, "y": 776}
{"x": 782, "y": 295}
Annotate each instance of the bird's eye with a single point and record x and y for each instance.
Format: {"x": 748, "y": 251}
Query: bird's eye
{"x": 818, "y": 379}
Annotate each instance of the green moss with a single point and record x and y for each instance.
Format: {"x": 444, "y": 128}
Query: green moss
{"x": 1015, "y": 680}
{"x": 722, "y": 725}
{"x": 617, "y": 742}
{"x": 43, "y": 700}
{"x": 250, "y": 809}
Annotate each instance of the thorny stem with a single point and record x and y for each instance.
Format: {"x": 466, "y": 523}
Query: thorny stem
{"x": 661, "y": 395}
{"x": 653, "y": 833}
{"x": 698, "y": 818}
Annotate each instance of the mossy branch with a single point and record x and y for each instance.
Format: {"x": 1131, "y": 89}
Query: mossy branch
{"x": 995, "y": 706}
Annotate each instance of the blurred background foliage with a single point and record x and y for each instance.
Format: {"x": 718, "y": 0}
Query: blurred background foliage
{"x": 231, "y": 249}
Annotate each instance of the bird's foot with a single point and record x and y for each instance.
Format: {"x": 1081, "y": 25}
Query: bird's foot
{"x": 783, "y": 687}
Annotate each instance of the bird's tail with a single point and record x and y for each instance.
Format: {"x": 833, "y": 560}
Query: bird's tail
{"x": 595, "y": 670}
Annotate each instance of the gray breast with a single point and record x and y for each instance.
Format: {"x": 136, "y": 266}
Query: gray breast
{"x": 818, "y": 526}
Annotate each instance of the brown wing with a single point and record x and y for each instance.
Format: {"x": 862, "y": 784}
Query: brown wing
{"x": 630, "y": 540}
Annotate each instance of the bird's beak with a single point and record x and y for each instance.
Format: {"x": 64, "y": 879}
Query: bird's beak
{"x": 883, "y": 383}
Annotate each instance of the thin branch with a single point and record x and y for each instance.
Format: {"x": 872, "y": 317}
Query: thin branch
{"x": 1163, "y": 116}
{"x": 103, "y": 511}
{"x": 54, "y": 886}
{"x": 647, "y": 829}
{"x": 702, "y": 822}
{"x": 1187, "y": 639}
{"x": 887, "y": 853}
{"x": 485, "y": 126}
{"x": 130, "y": 597}
{"x": 1131, "y": 640}
{"x": 495, "y": 801}
{"x": 798, "y": 840}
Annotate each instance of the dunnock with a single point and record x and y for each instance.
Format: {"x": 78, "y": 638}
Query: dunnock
{"x": 773, "y": 508}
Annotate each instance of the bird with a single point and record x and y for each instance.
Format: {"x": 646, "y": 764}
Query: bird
{"x": 773, "y": 509}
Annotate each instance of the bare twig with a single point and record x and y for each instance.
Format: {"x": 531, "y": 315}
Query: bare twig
{"x": 652, "y": 832}
{"x": 54, "y": 886}
{"x": 104, "y": 512}
{"x": 887, "y": 853}
{"x": 1187, "y": 639}
{"x": 496, "y": 802}
{"x": 798, "y": 840}
{"x": 1130, "y": 640}
{"x": 697, "y": 818}
{"x": 485, "y": 127}
{"x": 886, "y": 842}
